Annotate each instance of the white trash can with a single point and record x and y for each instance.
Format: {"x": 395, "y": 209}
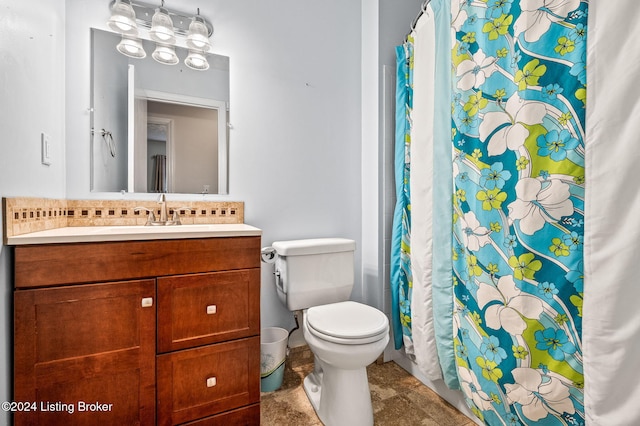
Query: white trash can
{"x": 273, "y": 352}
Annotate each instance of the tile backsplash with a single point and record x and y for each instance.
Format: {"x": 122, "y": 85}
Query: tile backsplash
{"x": 25, "y": 215}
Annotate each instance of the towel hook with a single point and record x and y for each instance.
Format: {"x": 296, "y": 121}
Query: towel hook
{"x": 108, "y": 139}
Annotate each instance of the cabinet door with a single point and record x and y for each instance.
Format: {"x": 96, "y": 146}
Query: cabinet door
{"x": 196, "y": 383}
{"x": 86, "y": 354}
{"x": 199, "y": 309}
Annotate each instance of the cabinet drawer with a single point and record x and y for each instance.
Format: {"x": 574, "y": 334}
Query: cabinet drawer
{"x": 199, "y": 309}
{"x": 63, "y": 264}
{"x": 197, "y": 383}
{"x": 245, "y": 416}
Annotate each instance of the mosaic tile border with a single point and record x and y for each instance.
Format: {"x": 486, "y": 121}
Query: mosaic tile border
{"x": 25, "y": 215}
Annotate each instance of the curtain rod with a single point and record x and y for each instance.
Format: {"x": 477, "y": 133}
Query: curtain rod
{"x": 423, "y": 9}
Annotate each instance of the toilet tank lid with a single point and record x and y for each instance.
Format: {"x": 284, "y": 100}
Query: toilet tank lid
{"x": 313, "y": 246}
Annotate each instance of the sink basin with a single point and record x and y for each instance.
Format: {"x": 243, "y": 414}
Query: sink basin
{"x": 78, "y": 234}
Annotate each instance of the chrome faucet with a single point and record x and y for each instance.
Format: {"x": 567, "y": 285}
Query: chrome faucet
{"x": 164, "y": 214}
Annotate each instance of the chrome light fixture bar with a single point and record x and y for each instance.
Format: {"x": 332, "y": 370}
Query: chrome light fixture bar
{"x": 144, "y": 17}
{"x": 163, "y": 25}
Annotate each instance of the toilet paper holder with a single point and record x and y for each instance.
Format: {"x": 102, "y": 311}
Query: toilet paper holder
{"x": 268, "y": 254}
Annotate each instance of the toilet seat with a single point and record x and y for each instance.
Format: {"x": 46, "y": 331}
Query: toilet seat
{"x": 348, "y": 323}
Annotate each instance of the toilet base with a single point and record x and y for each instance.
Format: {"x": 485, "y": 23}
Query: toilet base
{"x": 340, "y": 397}
{"x": 313, "y": 390}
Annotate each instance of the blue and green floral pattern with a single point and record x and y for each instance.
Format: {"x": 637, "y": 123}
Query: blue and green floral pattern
{"x": 518, "y": 109}
{"x": 401, "y": 278}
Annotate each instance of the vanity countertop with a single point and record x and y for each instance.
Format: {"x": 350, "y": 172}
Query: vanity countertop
{"x": 81, "y": 234}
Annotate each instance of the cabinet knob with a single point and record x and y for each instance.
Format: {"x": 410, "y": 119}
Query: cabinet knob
{"x": 211, "y": 309}
{"x": 147, "y": 302}
{"x": 211, "y": 382}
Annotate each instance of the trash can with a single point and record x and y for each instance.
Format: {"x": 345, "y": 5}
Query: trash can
{"x": 273, "y": 352}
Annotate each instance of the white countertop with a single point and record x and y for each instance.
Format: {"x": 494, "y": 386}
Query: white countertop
{"x": 84, "y": 234}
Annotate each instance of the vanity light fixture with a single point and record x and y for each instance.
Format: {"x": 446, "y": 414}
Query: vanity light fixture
{"x": 164, "y": 25}
{"x": 123, "y": 18}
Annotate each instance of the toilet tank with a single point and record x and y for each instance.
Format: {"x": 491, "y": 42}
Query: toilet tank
{"x": 314, "y": 272}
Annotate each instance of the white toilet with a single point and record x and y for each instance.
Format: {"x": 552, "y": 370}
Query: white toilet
{"x": 316, "y": 276}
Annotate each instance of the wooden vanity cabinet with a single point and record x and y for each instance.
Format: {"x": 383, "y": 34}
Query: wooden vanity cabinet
{"x": 158, "y": 332}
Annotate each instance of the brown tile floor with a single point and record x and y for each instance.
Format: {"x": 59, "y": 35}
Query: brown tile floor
{"x": 397, "y": 397}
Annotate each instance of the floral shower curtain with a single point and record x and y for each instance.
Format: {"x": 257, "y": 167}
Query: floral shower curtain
{"x": 519, "y": 88}
{"x": 517, "y": 108}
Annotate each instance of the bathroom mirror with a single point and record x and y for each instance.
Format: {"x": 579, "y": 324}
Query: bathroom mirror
{"x": 155, "y": 127}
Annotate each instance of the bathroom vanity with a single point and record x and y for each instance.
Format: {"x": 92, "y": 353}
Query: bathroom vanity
{"x": 137, "y": 330}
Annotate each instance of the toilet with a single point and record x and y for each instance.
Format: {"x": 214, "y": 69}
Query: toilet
{"x": 317, "y": 276}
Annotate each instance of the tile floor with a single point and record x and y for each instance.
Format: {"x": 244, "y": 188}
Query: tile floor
{"x": 397, "y": 397}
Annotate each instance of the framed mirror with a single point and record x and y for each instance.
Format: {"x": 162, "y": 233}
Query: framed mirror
{"x": 156, "y": 127}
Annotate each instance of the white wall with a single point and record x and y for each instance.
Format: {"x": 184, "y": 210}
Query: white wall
{"x": 372, "y": 290}
{"x": 31, "y": 101}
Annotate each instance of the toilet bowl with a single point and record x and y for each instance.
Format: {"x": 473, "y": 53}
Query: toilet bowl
{"x": 345, "y": 337}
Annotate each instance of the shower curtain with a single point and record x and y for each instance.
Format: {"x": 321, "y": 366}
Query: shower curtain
{"x": 519, "y": 90}
{"x": 611, "y": 324}
{"x": 421, "y": 190}
{"x": 401, "y": 280}
{"x": 508, "y": 178}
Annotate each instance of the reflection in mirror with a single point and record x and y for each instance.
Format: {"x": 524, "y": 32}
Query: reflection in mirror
{"x": 157, "y": 128}
{"x": 172, "y": 166}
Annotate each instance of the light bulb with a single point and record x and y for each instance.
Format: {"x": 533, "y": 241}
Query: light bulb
{"x": 123, "y": 18}
{"x": 162, "y": 27}
{"x": 165, "y": 54}
{"x": 198, "y": 35}
{"x": 197, "y": 61}
{"x": 131, "y": 47}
